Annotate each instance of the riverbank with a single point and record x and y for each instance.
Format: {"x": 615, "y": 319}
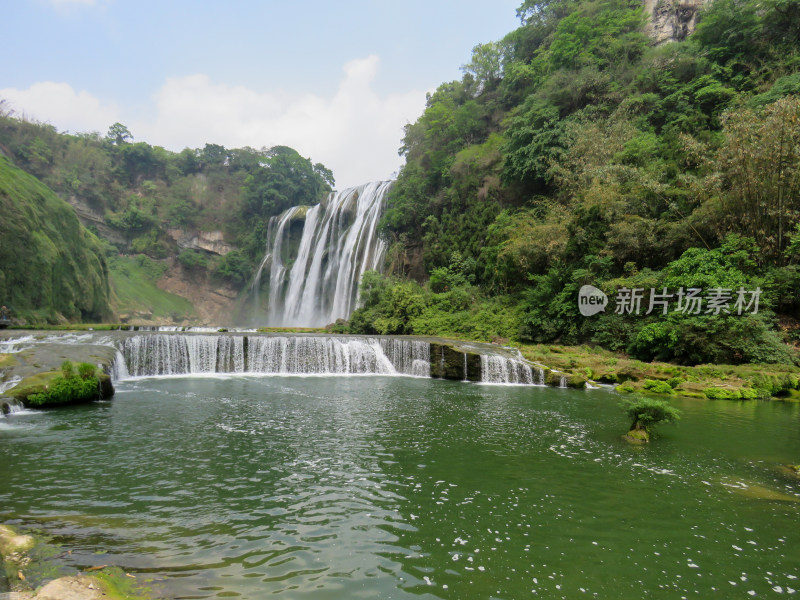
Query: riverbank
{"x": 715, "y": 382}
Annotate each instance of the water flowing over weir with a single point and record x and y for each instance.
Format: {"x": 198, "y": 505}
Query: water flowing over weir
{"x": 160, "y": 354}
{"x": 499, "y": 369}
{"x": 315, "y": 258}
{"x": 154, "y": 355}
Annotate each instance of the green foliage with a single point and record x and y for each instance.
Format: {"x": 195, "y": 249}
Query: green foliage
{"x": 134, "y": 289}
{"x": 193, "y": 260}
{"x": 86, "y": 370}
{"x": 645, "y": 413}
{"x": 69, "y": 388}
{"x": 67, "y": 369}
{"x": 141, "y": 190}
{"x": 235, "y": 267}
{"x": 601, "y": 33}
{"x": 721, "y": 394}
{"x": 392, "y": 306}
{"x": 657, "y": 387}
{"x": 49, "y": 264}
{"x": 283, "y": 179}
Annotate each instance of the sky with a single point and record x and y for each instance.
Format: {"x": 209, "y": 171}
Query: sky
{"x": 336, "y": 80}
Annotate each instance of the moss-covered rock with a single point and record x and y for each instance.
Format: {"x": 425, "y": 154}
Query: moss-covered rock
{"x": 448, "y": 362}
{"x": 11, "y": 542}
{"x": 625, "y": 388}
{"x": 637, "y": 436}
{"x": 106, "y": 386}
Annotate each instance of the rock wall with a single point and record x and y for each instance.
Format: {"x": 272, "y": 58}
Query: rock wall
{"x": 210, "y": 241}
{"x": 672, "y": 20}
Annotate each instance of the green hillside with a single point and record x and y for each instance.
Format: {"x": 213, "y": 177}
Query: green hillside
{"x": 51, "y": 268}
{"x": 576, "y": 152}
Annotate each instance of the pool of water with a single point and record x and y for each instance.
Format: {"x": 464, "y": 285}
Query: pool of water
{"x": 390, "y": 487}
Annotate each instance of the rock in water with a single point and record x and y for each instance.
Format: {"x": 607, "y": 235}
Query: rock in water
{"x": 78, "y": 587}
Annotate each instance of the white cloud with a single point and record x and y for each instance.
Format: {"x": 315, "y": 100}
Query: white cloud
{"x": 355, "y": 132}
{"x": 60, "y": 105}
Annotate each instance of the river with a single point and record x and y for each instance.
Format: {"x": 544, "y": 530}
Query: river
{"x": 397, "y": 487}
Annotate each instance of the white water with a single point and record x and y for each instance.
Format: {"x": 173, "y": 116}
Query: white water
{"x": 502, "y": 369}
{"x": 338, "y": 244}
{"x": 155, "y": 355}
{"x": 8, "y": 384}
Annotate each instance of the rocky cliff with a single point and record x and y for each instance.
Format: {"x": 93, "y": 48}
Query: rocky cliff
{"x": 672, "y": 20}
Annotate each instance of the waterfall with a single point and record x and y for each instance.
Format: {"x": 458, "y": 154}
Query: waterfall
{"x": 409, "y": 358}
{"x": 155, "y": 355}
{"x": 339, "y": 243}
{"x": 10, "y": 383}
{"x": 501, "y": 369}
{"x": 9, "y": 406}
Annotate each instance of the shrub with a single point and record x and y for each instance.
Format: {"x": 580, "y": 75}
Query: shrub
{"x": 657, "y": 387}
{"x": 66, "y": 391}
{"x": 193, "y": 260}
{"x": 86, "y": 370}
{"x": 721, "y": 394}
{"x": 67, "y": 370}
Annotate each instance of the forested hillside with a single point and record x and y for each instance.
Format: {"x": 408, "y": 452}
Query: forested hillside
{"x": 51, "y": 268}
{"x": 197, "y": 217}
{"x": 576, "y": 152}
{"x": 573, "y": 152}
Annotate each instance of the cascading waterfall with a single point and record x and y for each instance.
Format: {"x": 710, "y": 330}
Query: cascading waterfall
{"x": 154, "y": 355}
{"x": 10, "y": 383}
{"x": 339, "y": 243}
{"x": 502, "y": 369}
{"x": 415, "y": 358}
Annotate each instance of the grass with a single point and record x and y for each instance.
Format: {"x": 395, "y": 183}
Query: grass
{"x": 134, "y": 289}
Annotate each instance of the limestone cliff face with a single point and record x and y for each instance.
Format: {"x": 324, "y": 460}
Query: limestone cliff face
{"x": 672, "y": 20}
{"x": 210, "y": 241}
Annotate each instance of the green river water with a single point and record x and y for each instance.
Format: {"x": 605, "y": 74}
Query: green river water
{"x": 391, "y": 487}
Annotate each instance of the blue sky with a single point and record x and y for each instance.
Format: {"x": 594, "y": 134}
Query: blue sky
{"x": 335, "y": 80}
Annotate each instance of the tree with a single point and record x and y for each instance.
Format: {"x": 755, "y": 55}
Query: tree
{"x": 760, "y": 168}
{"x": 284, "y": 179}
{"x": 118, "y": 134}
{"x": 644, "y": 414}
{"x": 486, "y": 65}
